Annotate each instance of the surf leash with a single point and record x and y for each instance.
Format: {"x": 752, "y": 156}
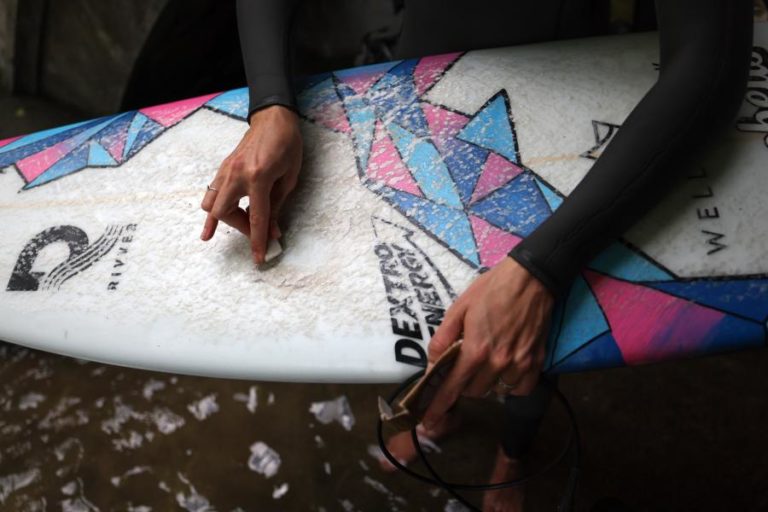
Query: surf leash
{"x": 572, "y": 445}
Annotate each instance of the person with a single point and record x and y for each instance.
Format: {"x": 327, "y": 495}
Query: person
{"x": 503, "y": 315}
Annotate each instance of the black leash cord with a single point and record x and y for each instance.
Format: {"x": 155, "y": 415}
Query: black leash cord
{"x": 566, "y": 503}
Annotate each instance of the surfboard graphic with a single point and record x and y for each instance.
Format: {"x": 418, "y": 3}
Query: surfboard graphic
{"x": 458, "y": 173}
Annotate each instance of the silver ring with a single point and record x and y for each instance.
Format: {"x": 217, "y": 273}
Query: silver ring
{"x": 506, "y": 386}
{"x": 210, "y": 188}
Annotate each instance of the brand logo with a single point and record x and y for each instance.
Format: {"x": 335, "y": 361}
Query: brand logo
{"x": 757, "y": 94}
{"x": 82, "y": 255}
{"x": 417, "y": 292}
{"x": 604, "y": 133}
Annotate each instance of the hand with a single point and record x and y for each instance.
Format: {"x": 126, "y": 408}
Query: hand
{"x": 504, "y": 317}
{"x": 265, "y": 167}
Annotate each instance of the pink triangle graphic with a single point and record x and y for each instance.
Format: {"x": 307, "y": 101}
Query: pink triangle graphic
{"x": 429, "y": 70}
{"x": 443, "y": 123}
{"x": 363, "y": 81}
{"x": 115, "y": 143}
{"x": 332, "y": 116}
{"x": 649, "y": 325}
{"x": 9, "y": 141}
{"x": 386, "y": 166}
{"x": 492, "y": 242}
{"x": 171, "y": 113}
{"x": 497, "y": 172}
{"x": 36, "y": 164}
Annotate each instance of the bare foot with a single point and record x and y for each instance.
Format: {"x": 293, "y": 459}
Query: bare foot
{"x": 401, "y": 446}
{"x": 509, "y": 499}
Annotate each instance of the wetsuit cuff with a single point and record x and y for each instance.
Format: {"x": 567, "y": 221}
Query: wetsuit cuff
{"x": 526, "y": 259}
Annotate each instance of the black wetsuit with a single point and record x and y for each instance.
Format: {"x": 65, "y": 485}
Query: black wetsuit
{"x": 705, "y": 54}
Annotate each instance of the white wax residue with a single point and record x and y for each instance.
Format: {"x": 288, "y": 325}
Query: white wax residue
{"x": 337, "y": 410}
{"x": 264, "y": 460}
{"x": 204, "y": 408}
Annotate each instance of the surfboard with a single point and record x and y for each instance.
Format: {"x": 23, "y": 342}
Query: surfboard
{"x": 418, "y": 175}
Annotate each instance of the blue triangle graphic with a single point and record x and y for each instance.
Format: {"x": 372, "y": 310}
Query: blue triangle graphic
{"x": 491, "y": 129}
{"x": 450, "y": 226}
{"x": 362, "y": 120}
{"x": 620, "y": 261}
{"x": 40, "y": 141}
{"x": 75, "y": 161}
{"x": 133, "y": 131}
{"x": 395, "y": 100}
{"x": 233, "y": 103}
{"x": 150, "y": 130}
{"x": 369, "y": 69}
{"x": 98, "y": 156}
{"x": 602, "y": 352}
{"x": 553, "y": 198}
{"x": 518, "y": 207}
{"x": 465, "y": 162}
{"x": 746, "y": 297}
{"x": 426, "y": 166}
{"x": 582, "y": 320}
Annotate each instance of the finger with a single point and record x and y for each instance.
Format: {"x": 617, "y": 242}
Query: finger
{"x": 258, "y": 218}
{"x": 209, "y": 228}
{"x": 484, "y": 381}
{"x": 280, "y": 192}
{"x": 238, "y": 219}
{"x": 209, "y": 198}
{"x": 526, "y": 383}
{"x": 467, "y": 364}
{"x": 448, "y": 332}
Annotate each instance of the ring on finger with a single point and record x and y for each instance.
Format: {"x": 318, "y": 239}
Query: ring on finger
{"x": 211, "y": 189}
{"x": 505, "y": 386}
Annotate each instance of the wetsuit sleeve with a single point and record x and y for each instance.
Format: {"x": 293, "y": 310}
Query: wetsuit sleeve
{"x": 705, "y": 48}
{"x": 264, "y": 28}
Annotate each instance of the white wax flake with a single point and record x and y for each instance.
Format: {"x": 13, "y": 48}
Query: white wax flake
{"x": 65, "y": 447}
{"x": 363, "y": 465}
{"x": 151, "y": 386}
{"x": 334, "y": 410}
{"x": 139, "y": 508}
{"x": 327, "y": 468}
{"x": 118, "y": 480}
{"x": 69, "y": 488}
{"x": 280, "y": 491}
{"x": 429, "y": 445}
{"x": 30, "y": 401}
{"x": 98, "y": 371}
{"x": 454, "y": 506}
{"x": 164, "y": 486}
{"x": 347, "y": 505}
{"x": 380, "y": 487}
{"x": 99, "y": 403}
{"x": 194, "y": 502}
{"x": 319, "y": 442}
{"x": 264, "y": 460}
{"x": 133, "y": 441}
{"x": 251, "y": 399}
{"x": 77, "y": 505}
{"x": 204, "y": 407}
{"x": 270, "y": 399}
{"x": 16, "y": 481}
{"x": 166, "y": 420}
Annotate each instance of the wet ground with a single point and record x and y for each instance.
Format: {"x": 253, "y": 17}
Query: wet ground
{"x": 78, "y": 436}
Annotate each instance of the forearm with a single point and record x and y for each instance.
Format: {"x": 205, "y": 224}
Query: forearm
{"x": 264, "y": 28}
{"x": 705, "y": 52}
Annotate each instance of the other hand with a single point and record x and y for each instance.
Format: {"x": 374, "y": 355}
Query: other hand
{"x": 264, "y": 167}
{"x": 503, "y": 317}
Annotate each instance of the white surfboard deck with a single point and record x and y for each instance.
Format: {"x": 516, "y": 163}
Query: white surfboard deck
{"x": 161, "y": 299}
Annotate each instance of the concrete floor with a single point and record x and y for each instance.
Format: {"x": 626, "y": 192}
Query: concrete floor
{"x": 674, "y": 437}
